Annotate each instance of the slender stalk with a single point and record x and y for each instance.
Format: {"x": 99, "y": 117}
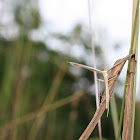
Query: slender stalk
{"x": 95, "y": 74}
{"x": 134, "y": 99}
{"x": 133, "y": 117}
{"x": 126, "y": 81}
{"x": 127, "y": 123}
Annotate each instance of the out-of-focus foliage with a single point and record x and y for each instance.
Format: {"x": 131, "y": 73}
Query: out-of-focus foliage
{"x": 34, "y": 75}
{"x": 27, "y": 15}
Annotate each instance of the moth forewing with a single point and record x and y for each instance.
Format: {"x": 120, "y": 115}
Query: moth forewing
{"x": 105, "y": 74}
{"x": 86, "y": 67}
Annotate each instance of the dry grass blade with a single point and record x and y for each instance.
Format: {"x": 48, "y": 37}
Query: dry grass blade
{"x": 115, "y": 72}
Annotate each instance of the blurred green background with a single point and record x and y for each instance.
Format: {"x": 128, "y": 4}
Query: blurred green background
{"x": 40, "y": 93}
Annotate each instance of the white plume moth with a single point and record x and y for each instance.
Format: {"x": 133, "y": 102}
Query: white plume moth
{"x": 105, "y": 74}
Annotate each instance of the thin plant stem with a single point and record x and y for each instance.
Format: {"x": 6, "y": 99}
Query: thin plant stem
{"x": 95, "y": 74}
{"x": 94, "y": 59}
{"x": 128, "y": 115}
{"x": 126, "y": 81}
{"x": 134, "y": 98}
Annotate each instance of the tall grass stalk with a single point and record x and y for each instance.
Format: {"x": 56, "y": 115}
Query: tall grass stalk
{"x": 128, "y": 115}
{"x": 95, "y": 73}
{"x": 134, "y": 99}
{"x": 126, "y": 82}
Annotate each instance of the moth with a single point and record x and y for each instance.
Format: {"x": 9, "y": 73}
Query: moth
{"x": 105, "y": 74}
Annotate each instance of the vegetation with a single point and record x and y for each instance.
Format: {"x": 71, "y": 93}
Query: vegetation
{"x": 41, "y": 95}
